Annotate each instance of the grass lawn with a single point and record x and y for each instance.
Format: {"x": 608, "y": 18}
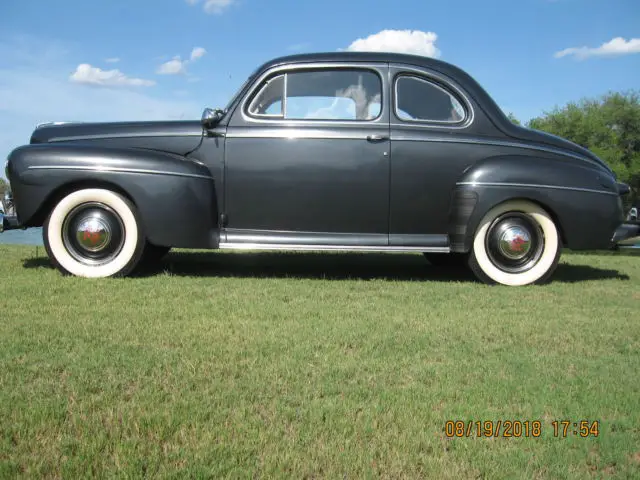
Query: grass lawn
{"x": 315, "y": 365}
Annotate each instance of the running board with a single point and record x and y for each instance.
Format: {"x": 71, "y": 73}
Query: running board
{"x": 341, "y": 248}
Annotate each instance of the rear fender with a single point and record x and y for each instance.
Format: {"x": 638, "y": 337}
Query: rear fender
{"x": 583, "y": 200}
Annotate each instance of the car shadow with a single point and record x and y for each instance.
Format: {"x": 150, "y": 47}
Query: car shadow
{"x": 328, "y": 266}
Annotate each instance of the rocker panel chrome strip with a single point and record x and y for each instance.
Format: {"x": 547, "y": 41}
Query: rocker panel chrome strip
{"x": 346, "y": 248}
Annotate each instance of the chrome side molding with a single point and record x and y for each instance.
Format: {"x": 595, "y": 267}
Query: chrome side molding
{"x": 531, "y": 185}
{"x": 342, "y": 248}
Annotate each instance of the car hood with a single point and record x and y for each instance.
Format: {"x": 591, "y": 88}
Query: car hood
{"x": 178, "y": 137}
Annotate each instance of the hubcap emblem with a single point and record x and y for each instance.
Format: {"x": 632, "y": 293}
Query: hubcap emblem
{"x": 93, "y": 234}
{"x": 515, "y": 242}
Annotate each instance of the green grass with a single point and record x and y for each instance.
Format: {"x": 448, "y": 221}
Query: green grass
{"x": 315, "y": 365}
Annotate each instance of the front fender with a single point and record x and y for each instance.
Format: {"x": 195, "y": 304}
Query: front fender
{"x": 583, "y": 199}
{"x": 175, "y": 196}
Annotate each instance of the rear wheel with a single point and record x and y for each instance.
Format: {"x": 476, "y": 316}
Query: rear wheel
{"x": 517, "y": 243}
{"x": 94, "y": 233}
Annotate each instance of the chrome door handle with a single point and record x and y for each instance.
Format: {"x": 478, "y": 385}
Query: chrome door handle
{"x": 376, "y": 138}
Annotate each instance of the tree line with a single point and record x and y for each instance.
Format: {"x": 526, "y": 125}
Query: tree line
{"x": 608, "y": 125}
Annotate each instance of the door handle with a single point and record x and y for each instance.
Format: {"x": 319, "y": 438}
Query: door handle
{"x": 376, "y": 138}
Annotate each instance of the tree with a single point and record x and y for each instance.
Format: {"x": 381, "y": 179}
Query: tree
{"x": 609, "y": 126}
{"x": 513, "y": 118}
{"x": 4, "y": 186}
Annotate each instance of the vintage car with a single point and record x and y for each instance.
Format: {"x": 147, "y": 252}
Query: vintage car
{"x": 337, "y": 151}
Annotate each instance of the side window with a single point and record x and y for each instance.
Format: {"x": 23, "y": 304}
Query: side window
{"x": 418, "y": 99}
{"x": 320, "y": 95}
{"x": 268, "y": 102}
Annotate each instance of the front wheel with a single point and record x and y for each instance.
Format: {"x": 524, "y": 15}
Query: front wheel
{"x": 517, "y": 243}
{"x": 94, "y": 233}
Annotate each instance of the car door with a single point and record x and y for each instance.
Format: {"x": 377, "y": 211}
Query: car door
{"x": 432, "y": 142}
{"x": 307, "y": 158}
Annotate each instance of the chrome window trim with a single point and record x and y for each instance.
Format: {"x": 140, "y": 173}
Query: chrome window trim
{"x": 533, "y": 185}
{"x": 283, "y": 99}
{"x": 374, "y": 67}
{"x": 46, "y": 124}
{"x": 402, "y": 76}
{"x": 118, "y": 170}
{"x": 435, "y": 79}
{"x": 285, "y": 90}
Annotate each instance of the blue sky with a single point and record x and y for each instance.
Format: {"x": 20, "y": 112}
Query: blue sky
{"x": 90, "y": 60}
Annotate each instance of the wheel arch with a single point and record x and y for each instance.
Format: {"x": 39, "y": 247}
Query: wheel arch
{"x": 470, "y": 206}
{"x": 57, "y": 194}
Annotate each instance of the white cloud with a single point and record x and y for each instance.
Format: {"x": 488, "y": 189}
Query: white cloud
{"x": 112, "y": 60}
{"x": 174, "y": 66}
{"x": 177, "y": 66}
{"x": 399, "y": 41}
{"x": 615, "y": 47}
{"x": 90, "y": 75}
{"x": 213, "y": 6}
{"x": 197, "y": 52}
{"x": 35, "y": 88}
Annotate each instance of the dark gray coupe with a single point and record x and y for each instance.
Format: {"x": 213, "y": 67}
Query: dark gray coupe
{"x": 338, "y": 151}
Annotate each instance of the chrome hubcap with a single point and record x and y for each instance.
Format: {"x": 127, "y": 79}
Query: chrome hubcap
{"x": 514, "y": 242}
{"x": 93, "y": 233}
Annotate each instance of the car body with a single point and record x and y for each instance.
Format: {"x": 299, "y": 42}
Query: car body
{"x": 335, "y": 151}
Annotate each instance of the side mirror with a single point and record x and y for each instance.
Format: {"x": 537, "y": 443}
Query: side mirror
{"x": 211, "y": 117}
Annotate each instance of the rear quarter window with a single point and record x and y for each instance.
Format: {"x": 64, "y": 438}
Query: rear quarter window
{"x": 418, "y": 99}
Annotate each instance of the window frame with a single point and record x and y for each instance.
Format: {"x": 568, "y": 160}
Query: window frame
{"x": 271, "y": 75}
{"x": 258, "y": 91}
{"x": 440, "y": 85}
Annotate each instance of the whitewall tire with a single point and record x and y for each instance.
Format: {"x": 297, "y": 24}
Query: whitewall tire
{"x": 94, "y": 233}
{"x": 516, "y": 243}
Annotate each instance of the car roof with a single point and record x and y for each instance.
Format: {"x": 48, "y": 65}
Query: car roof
{"x": 366, "y": 57}
{"x": 471, "y": 86}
